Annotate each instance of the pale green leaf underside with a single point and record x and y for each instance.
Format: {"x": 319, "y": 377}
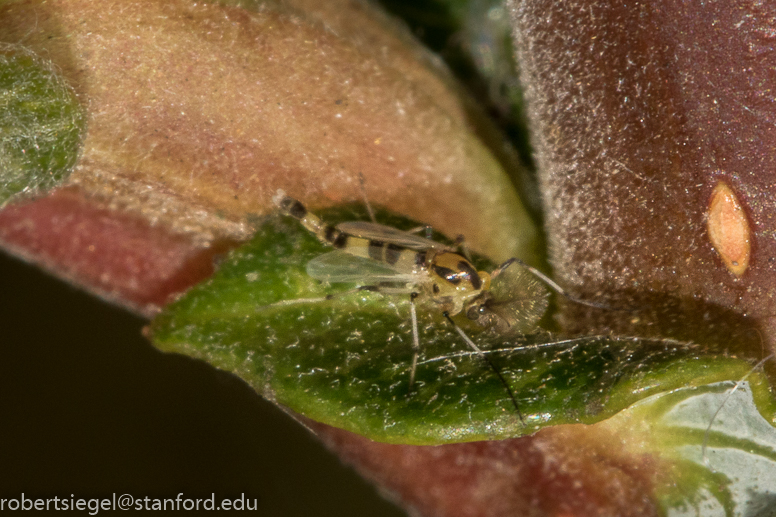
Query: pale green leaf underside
{"x": 735, "y": 474}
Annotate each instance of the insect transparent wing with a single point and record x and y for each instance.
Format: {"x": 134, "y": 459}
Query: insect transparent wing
{"x": 380, "y": 232}
{"x": 339, "y": 267}
{"x": 518, "y": 298}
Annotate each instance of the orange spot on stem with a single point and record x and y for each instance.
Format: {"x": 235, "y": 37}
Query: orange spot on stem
{"x": 729, "y": 229}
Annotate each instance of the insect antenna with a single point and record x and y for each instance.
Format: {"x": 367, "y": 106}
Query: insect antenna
{"x": 554, "y": 285}
{"x": 485, "y": 358}
{"x": 759, "y": 365}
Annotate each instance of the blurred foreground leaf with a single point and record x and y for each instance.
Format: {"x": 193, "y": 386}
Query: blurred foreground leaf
{"x": 726, "y": 469}
{"x": 345, "y": 361}
{"x": 40, "y": 124}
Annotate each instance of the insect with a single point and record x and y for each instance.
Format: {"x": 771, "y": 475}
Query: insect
{"x": 510, "y": 300}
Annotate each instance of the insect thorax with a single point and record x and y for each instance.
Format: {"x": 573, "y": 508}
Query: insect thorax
{"x": 454, "y": 282}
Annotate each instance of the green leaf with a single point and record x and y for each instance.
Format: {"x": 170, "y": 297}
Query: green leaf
{"x": 346, "y": 361}
{"x": 40, "y": 124}
{"x": 723, "y": 469}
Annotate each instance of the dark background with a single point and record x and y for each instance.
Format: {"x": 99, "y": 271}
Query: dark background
{"x": 88, "y": 407}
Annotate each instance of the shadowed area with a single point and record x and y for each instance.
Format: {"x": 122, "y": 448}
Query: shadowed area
{"x": 90, "y": 408}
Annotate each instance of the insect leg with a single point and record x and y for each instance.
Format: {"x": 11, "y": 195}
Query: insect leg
{"x": 415, "y": 338}
{"x": 463, "y": 247}
{"x": 460, "y": 241}
{"x": 427, "y": 228}
{"x": 550, "y": 282}
{"x": 485, "y": 358}
{"x": 414, "y": 320}
{"x": 362, "y": 182}
{"x": 327, "y": 298}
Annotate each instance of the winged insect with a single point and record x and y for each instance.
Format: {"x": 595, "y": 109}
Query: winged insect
{"x": 509, "y": 301}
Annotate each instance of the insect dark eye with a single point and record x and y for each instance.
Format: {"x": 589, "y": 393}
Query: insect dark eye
{"x": 470, "y": 273}
{"x": 448, "y": 274}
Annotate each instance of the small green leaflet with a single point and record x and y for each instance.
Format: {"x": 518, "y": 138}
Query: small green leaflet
{"x": 41, "y": 123}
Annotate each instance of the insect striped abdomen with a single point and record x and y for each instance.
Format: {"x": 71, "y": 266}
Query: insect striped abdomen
{"x": 325, "y": 232}
{"x": 395, "y": 255}
{"x": 398, "y": 257}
